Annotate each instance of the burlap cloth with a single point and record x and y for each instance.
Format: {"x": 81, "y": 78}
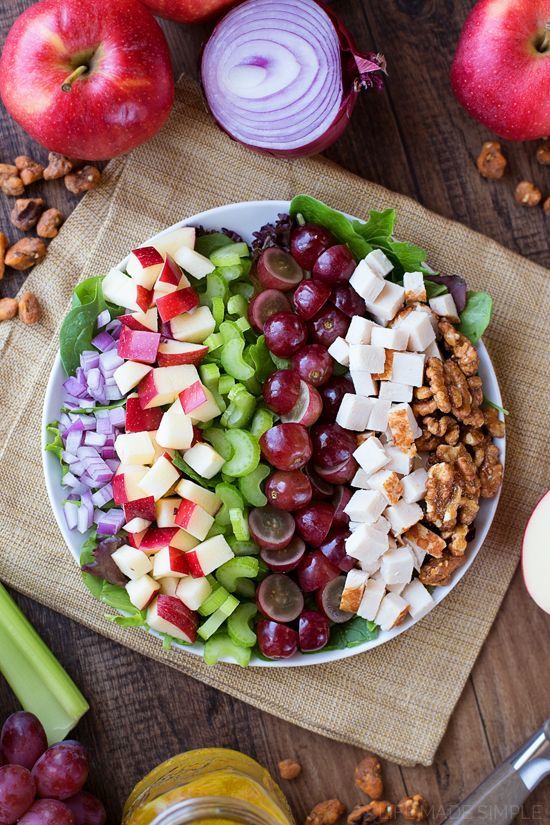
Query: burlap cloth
{"x": 397, "y": 699}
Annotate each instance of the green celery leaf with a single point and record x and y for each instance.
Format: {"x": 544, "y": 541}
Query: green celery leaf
{"x": 99, "y": 408}
{"x": 127, "y": 621}
{"x": 476, "y": 315}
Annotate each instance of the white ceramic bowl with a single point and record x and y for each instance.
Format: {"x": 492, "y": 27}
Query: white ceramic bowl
{"x": 245, "y": 218}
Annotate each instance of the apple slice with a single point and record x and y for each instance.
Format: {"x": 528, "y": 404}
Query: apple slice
{"x": 193, "y": 592}
{"x": 176, "y": 303}
{"x": 163, "y": 385}
{"x": 193, "y": 262}
{"x": 131, "y": 561}
{"x": 138, "y": 346}
{"x": 172, "y": 353}
{"x": 204, "y": 460}
{"x": 136, "y": 525}
{"x": 160, "y": 478}
{"x": 193, "y": 519}
{"x": 129, "y": 374}
{"x": 170, "y": 561}
{"x": 535, "y": 554}
{"x": 140, "y": 420}
{"x": 135, "y": 539}
{"x": 174, "y": 240}
{"x": 208, "y": 556}
{"x": 183, "y": 541}
{"x": 156, "y": 538}
{"x": 208, "y": 500}
{"x": 145, "y": 265}
{"x": 168, "y": 614}
{"x": 175, "y": 431}
{"x": 122, "y": 291}
{"x": 193, "y": 327}
{"x": 142, "y": 591}
{"x": 143, "y": 508}
{"x": 168, "y": 585}
{"x": 170, "y": 278}
{"x": 135, "y": 448}
{"x": 199, "y": 403}
{"x": 141, "y": 321}
{"x": 126, "y": 483}
{"x": 165, "y": 511}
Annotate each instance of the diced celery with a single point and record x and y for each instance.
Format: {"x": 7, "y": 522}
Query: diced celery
{"x": 246, "y": 266}
{"x": 218, "y": 310}
{"x": 243, "y": 324}
{"x": 214, "y": 601}
{"x": 239, "y": 524}
{"x": 34, "y": 674}
{"x": 243, "y": 548}
{"x": 232, "y": 359}
{"x": 238, "y": 625}
{"x": 227, "y": 255}
{"x": 230, "y": 330}
{"x": 250, "y": 486}
{"x": 215, "y": 621}
{"x": 244, "y": 289}
{"x": 231, "y": 499}
{"x": 261, "y": 359}
{"x": 216, "y": 287}
{"x": 207, "y": 244}
{"x": 246, "y": 454}
{"x": 232, "y": 273}
{"x": 220, "y": 646}
{"x": 210, "y": 374}
{"x": 262, "y": 422}
{"x": 214, "y": 341}
{"x": 240, "y": 409}
{"x": 237, "y": 305}
{"x": 240, "y": 567}
{"x": 245, "y": 589}
{"x": 227, "y": 382}
{"x": 219, "y": 440}
{"x": 218, "y": 529}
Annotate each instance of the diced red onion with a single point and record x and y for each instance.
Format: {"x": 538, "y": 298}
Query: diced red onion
{"x": 89, "y": 359}
{"x": 108, "y": 452}
{"x": 78, "y": 467}
{"x": 103, "y": 319}
{"x": 114, "y": 327}
{"x": 88, "y": 422}
{"x": 68, "y": 458}
{"x": 103, "y": 496}
{"x": 113, "y": 464}
{"x": 74, "y": 387}
{"x": 104, "y": 342}
{"x": 110, "y": 361}
{"x": 117, "y": 416}
{"x": 73, "y": 440}
{"x": 85, "y": 513}
{"x": 94, "y": 439}
{"x": 108, "y": 524}
{"x": 87, "y": 452}
{"x": 113, "y": 394}
{"x": 104, "y": 426}
{"x": 283, "y": 77}
{"x": 70, "y": 510}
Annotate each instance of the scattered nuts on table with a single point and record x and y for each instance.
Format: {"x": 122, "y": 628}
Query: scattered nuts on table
{"x": 491, "y": 163}
{"x": 7, "y": 170}
{"x": 326, "y": 813}
{"x": 29, "y": 170}
{"x": 546, "y": 206}
{"x": 25, "y": 253}
{"x": 83, "y": 179}
{"x": 29, "y": 308}
{"x": 414, "y": 808}
{"x": 289, "y": 769}
{"x": 528, "y": 194}
{"x": 368, "y": 777}
{"x": 49, "y": 223}
{"x": 4, "y": 245}
{"x": 543, "y": 152}
{"x": 375, "y": 813}
{"x": 8, "y": 308}
{"x": 12, "y": 186}
{"x": 26, "y": 212}
{"x": 58, "y": 166}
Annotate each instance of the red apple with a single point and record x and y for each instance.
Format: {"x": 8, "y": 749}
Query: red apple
{"x": 501, "y": 70}
{"x": 188, "y": 11}
{"x": 535, "y": 554}
{"x": 88, "y": 80}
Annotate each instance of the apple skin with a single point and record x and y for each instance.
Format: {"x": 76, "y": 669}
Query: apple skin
{"x": 498, "y": 75}
{"x": 189, "y": 11}
{"x": 535, "y": 554}
{"x": 123, "y": 98}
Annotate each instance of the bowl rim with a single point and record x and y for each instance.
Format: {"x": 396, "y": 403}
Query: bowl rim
{"x": 54, "y": 489}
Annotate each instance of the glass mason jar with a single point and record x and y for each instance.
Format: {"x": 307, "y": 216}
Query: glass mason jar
{"x": 213, "y": 786}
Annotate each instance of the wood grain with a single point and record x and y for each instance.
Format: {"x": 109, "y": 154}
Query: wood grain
{"x": 415, "y": 139}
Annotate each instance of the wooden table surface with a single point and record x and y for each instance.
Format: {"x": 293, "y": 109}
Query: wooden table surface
{"x": 414, "y": 139}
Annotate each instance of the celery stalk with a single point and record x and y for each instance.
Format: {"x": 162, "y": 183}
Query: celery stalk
{"x": 34, "y": 674}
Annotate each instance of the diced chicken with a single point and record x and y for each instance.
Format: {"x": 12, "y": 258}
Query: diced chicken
{"x": 433, "y": 351}
{"x": 372, "y": 597}
{"x": 392, "y": 611}
{"x": 398, "y": 460}
{"x": 366, "y": 358}
{"x": 339, "y": 350}
{"x": 353, "y": 591}
{"x": 359, "y": 331}
{"x": 365, "y": 506}
{"x": 382, "y": 524}
{"x": 414, "y": 485}
{"x": 413, "y": 283}
{"x": 404, "y": 429}
{"x": 397, "y": 566}
{"x": 363, "y": 383}
{"x": 394, "y": 391}
{"x": 395, "y": 339}
{"x": 366, "y": 282}
{"x": 402, "y": 516}
{"x": 361, "y": 480}
{"x": 425, "y": 539}
{"x": 388, "y": 303}
{"x": 378, "y": 419}
{"x": 370, "y": 455}
{"x": 419, "y": 556}
{"x": 408, "y": 368}
{"x": 354, "y": 412}
{"x": 419, "y": 329}
{"x": 366, "y": 544}
{"x": 370, "y": 568}
{"x": 388, "y": 483}
{"x": 445, "y": 306}
{"x": 379, "y": 263}
{"x": 418, "y": 598}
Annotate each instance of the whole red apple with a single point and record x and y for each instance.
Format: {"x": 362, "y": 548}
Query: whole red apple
{"x": 189, "y": 11}
{"x": 87, "y": 79}
{"x": 501, "y": 70}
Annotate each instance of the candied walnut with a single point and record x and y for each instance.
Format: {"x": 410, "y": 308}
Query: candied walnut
{"x": 289, "y": 769}
{"x": 427, "y": 442}
{"x": 375, "y": 813}
{"x": 388, "y": 367}
{"x": 29, "y": 308}
{"x": 493, "y": 423}
{"x": 435, "y": 375}
{"x": 466, "y": 477}
{"x": 58, "y": 166}
{"x": 527, "y": 194}
{"x": 326, "y": 813}
{"x": 458, "y": 392}
{"x": 461, "y": 347}
{"x": 491, "y": 163}
{"x": 25, "y": 253}
{"x": 475, "y": 386}
{"x": 83, "y": 180}
{"x": 438, "y": 572}
{"x": 414, "y": 808}
{"x": 472, "y": 436}
{"x": 456, "y": 540}
{"x": 12, "y": 186}
{"x": 443, "y": 494}
{"x": 29, "y": 170}
{"x": 426, "y": 540}
{"x": 4, "y": 244}
{"x": 543, "y": 152}
{"x": 368, "y": 777}
{"x": 402, "y": 433}
{"x": 490, "y": 470}
{"x": 26, "y": 212}
{"x": 546, "y": 206}
{"x": 8, "y": 308}
{"x": 446, "y": 428}
{"x": 424, "y": 402}
{"x": 8, "y": 170}
{"x": 49, "y": 223}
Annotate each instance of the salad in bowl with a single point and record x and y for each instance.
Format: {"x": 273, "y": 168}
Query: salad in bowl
{"x": 272, "y": 433}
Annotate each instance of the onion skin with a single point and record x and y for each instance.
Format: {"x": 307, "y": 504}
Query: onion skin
{"x": 359, "y": 71}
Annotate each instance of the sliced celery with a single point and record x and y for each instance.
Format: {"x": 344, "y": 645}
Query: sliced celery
{"x": 207, "y": 244}
{"x": 214, "y": 341}
{"x": 246, "y": 454}
{"x": 231, "y": 499}
{"x": 218, "y": 529}
{"x": 232, "y": 273}
{"x": 241, "y": 567}
{"x": 34, "y": 674}
{"x": 239, "y": 524}
{"x": 243, "y": 324}
{"x": 218, "y": 310}
{"x": 245, "y": 589}
{"x": 228, "y": 255}
{"x": 230, "y": 330}
{"x": 244, "y": 289}
{"x": 215, "y": 621}
{"x": 227, "y": 382}
{"x": 216, "y": 287}
{"x": 220, "y": 646}
{"x": 218, "y": 439}
{"x": 250, "y": 486}
{"x": 214, "y": 601}
{"x": 238, "y": 625}
{"x": 210, "y": 374}
{"x": 237, "y": 305}
{"x": 243, "y": 548}
{"x": 240, "y": 410}
{"x": 233, "y": 362}
{"x": 262, "y": 422}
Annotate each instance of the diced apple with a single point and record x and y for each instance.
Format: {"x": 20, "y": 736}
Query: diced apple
{"x": 198, "y": 402}
{"x": 193, "y": 262}
{"x": 193, "y": 592}
{"x": 168, "y": 614}
{"x": 168, "y": 453}
{"x": 175, "y": 431}
{"x": 140, "y": 420}
{"x": 163, "y": 385}
{"x": 174, "y": 240}
{"x": 129, "y": 374}
{"x": 193, "y": 519}
{"x": 170, "y": 278}
{"x": 208, "y": 556}
{"x": 193, "y": 327}
{"x": 176, "y": 303}
{"x": 156, "y": 538}
{"x": 126, "y": 483}
{"x": 131, "y": 561}
{"x": 138, "y": 346}
{"x": 204, "y": 460}
{"x": 172, "y": 353}
{"x": 143, "y": 508}
{"x": 142, "y": 591}
{"x": 135, "y": 448}
{"x": 160, "y": 478}
{"x": 165, "y": 510}
{"x": 142, "y": 321}
{"x": 169, "y": 585}
{"x": 144, "y": 266}
{"x": 208, "y": 500}
{"x": 122, "y": 291}
{"x": 183, "y": 541}
{"x": 135, "y": 539}
{"x": 170, "y": 561}
{"x": 136, "y": 525}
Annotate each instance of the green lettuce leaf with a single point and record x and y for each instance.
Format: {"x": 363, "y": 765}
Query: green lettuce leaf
{"x": 476, "y": 315}
{"x": 315, "y": 211}
{"x": 352, "y": 633}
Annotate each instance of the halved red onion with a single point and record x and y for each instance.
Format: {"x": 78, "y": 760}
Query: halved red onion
{"x": 283, "y": 77}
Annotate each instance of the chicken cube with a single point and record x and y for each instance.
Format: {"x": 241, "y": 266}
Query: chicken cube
{"x": 379, "y": 263}
{"x": 408, "y": 368}
{"x": 370, "y": 455}
{"x": 388, "y": 303}
{"x": 366, "y": 506}
{"x": 418, "y": 598}
{"x": 414, "y": 485}
{"x": 399, "y": 461}
{"x": 372, "y": 596}
{"x": 396, "y": 339}
{"x": 366, "y": 358}
{"x": 388, "y": 483}
{"x": 352, "y": 593}
{"x": 339, "y": 350}
{"x": 363, "y": 383}
{"x": 415, "y": 290}
{"x": 392, "y": 611}
{"x": 378, "y": 419}
{"x": 359, "y": 331}
{"x": 402, "y": 516}
{"x": 397, "y": 566}
{"x": 366, "y": 283}
{"x": 394, "y": 391}
{"x": 354, "y": 412}
{"x": 445, "y": 306}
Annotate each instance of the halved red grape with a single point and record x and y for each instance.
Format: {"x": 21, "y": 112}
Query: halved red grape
{"x": 308, "y": 242}
{"x": 348, "y": 301}
{"x": 17, "y": 791}
{"x": 307, "y": 409}
{"x": 332, "y": 393}
{"x": 286, "y": 559}
{"x": 328, "y": 600}
{"x": 284, "y": 334}
{"x": 263, "y": 306}
{"x": 62, "y": 770}
{"x": 286, "y": 446}
{"x": 277, "y": 269}
{"x": 288, "y": 490}
{"x": 86, "y": 809}
{"x": 314, "y": 521}
{"x": 328, "y": 325}
{"x": 313, "y": 631}
{"x": 334, "y": 548}
{"x": 49, "y": 812}
{"x": 313, "y": 364}
{"x": 341, "y": 473}
{"x": 281, "y": 390}
{"x": 276, "y": 641}
{"x": 315, "y": 571}
{"x": 279, "y": 598}
{"x": 341, "y": 497}
{"x": 23, "y": 739}
{"x": 320, "y": 487}
{"x": 332, "y": 445}
{"x": 335, "y": 266}
{"x": 310, "y": 297}
{"x": 270, "y": 527}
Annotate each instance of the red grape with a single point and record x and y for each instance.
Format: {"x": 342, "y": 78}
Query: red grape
{"x": 48, "y": 812}
{"x": 314, "y": 521}
{"x": 277, "y": 269}
{"x": 286, "y": 559}
{"x": 332, "y": 445}
{"x": 310, "y": 297}
{"x": 328, "y": 599}
{"x": 334, "y": 548}
{"x": 281, "y": 391}
{"x": 308, "y": 242}
{"x": 62, "y": 771}
{"x": 270, "y": 528}
{"x": 341, "y": 473}
{"x": 284, "y": 333}
{"x": 348, "y": 301}
{"x": 279, "y": 598}
{"x": 308, "y": 408}
{"x": 313, "y": 631}
{"x": 23, "y": 739}
{"x": 315, "y": 571}
{"x": 332, "y": 393}
{"x": 335, "y": 266}
{"x": 313, "y": 364}
{"x": 276, "y": 641}
{"x": 328, "y": 325}
{"x": 288, "y": 490}
{"x": 17, "y": 792}
{"x": 266, "y": 304}
{"x": 320, "y": 487}
{"x": 87, "y": 810}
{"x": 286, "y": 446}
{"x": 339, "y": 502}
